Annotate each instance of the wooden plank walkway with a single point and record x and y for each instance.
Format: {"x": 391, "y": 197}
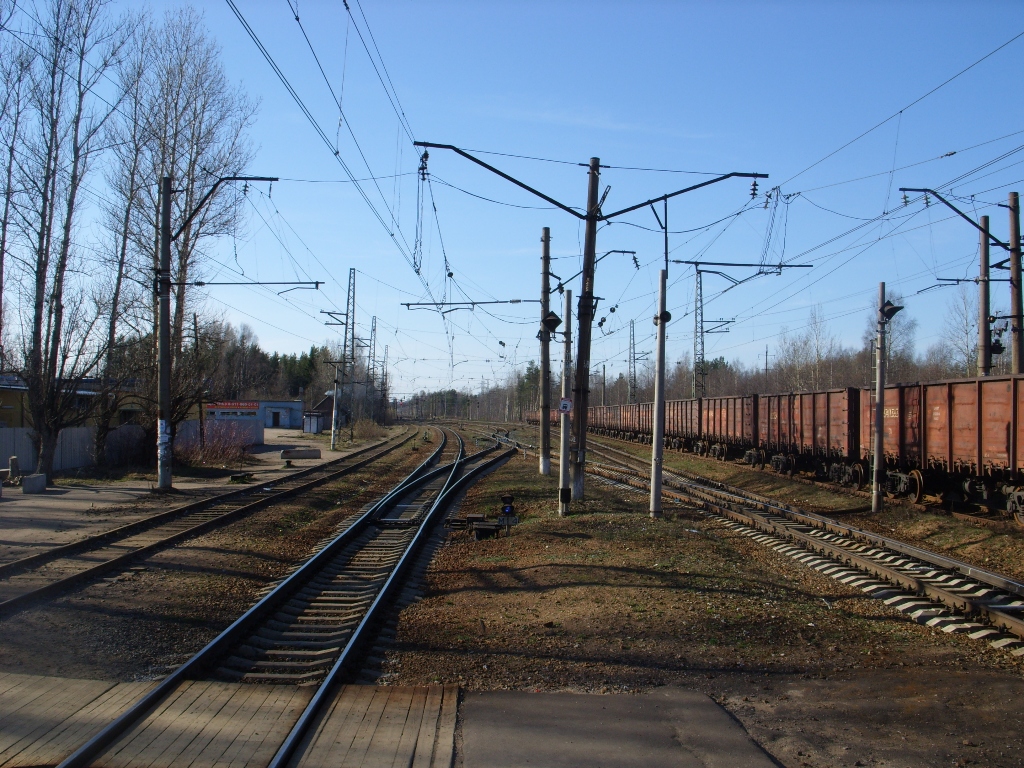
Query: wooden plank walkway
{"x": 222, "y": 725}
{"x": 386, "y": 727}
{"x": 44, "y": 719}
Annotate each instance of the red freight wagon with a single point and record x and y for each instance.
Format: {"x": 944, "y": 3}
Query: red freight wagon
{"x": 961, "y": 438}
{"x": 728, "y": 424}
{"x": 812, "y": 430}
{"x": 682, "y": 422}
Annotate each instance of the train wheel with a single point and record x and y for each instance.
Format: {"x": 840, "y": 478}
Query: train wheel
{"x": 857, "y": 476}
{"x": 791, "y": 465}
{"x": 916, "y": 486}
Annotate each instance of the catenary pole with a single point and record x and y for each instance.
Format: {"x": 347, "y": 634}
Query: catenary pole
{"x": 984, "y": 329}
{"x": 564, "y": 487}
{"x": 163, "y": 279}
{"x": 545, "y": 354}
{"x": 581, "y": 388}
{"x": 1016, "y": 303}
{"x": 878, "y": 475}
{"x": 661, "y": 320}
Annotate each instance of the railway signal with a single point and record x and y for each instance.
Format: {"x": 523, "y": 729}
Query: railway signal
{"x": 886, "y": 311}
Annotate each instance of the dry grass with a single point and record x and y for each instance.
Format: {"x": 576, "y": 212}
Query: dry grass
{"x": 365, "y": 429}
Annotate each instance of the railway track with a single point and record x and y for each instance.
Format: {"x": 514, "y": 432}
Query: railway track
{"x": 56, "y": 570}
{"x": 312, "y": 627}
{"x": 933, "y": 589}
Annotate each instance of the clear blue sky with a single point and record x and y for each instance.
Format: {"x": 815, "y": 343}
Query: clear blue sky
{"x": 705, "y": 87}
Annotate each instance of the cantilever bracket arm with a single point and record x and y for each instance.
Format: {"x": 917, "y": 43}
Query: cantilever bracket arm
{"x": 963, "y": 215}
{"x": 670, "y": 195}
{"x": 566, "y": 208}
{"x": 503, "y": 175}
{"x": 209, "y": 194}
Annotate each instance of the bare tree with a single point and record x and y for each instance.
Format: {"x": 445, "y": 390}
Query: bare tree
{"x": 77, "y": 46}
{"x": 960, "y": 331}
{"x": 15, "y": 60}
{"x": 198, "y": 132}
{"x": 121, "y": 291}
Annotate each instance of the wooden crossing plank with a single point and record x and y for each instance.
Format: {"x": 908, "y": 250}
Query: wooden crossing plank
{"x": 132, "y": 745}
{"x": 180, "y": 736}
{"x": 47, "y": 702}
{"x": 444, "y": 746}
{"x": 245, "y": 722}
{"x": 407, "y": 742}
{"x": 61, "y": 741}
{"x": 278, "y": 722}
{"x": 364, "y": 732}
{"x": 379, "y": 727}
{"x": 383, "y": 746}
{"x": 336, "y": 731}
{"x": 428, "y": 727}
{"x": 218, "y": 732}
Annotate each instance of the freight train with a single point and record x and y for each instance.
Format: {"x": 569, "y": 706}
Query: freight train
{"x": 960, "y": 440}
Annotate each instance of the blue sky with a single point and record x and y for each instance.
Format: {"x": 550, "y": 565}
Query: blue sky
{"x": 687, "y": 87}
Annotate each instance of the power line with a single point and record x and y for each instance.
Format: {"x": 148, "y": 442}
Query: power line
{"x": 901, "y": 111}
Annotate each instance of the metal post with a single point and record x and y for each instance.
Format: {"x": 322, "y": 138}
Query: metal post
{"x": 658, "y": 437}
{"x": 564, "y": 489}
{"x": 545, "y": 355}
{"x": 604, "y": 384}
{"x": 984, "y": 329}
{"x": 581, "y": 389}
{"x": 163, "y": 278}
{"x": 1016, "y": 303}
{"x": 878, "y": 476}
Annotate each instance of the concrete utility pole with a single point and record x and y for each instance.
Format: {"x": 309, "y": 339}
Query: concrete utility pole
{"x": 661, "y": 320}
{"x": 334, "y": 408}
{"x": 163, "y": 287}
{"x": 886, "y": 311}
{"x": 984, "y": 330}
{"x": 545, "y": 354}
{"x": 1016, "y": 303}
{"x": 564, "y": 489}
{"x": 581, "y": 388}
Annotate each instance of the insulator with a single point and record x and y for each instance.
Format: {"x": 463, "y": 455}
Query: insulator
{"x": 906, "y": 200}
{"x": 753, "y": 189}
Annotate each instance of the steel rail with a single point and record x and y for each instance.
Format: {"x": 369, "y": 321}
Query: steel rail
{"x": 326, "y": 689}
{"x": 82, "y": 756}
{"x": 990, "y": 578}
{"x": 736, "y": 507}
{"x": 60, "y": 585}
{"x": 24, "y": 563}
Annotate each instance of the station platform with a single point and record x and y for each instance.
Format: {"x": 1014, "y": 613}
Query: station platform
{"x": 208, "y": 724}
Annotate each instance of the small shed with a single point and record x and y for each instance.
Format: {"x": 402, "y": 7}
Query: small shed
{"x": 314, "y": 422}
{"x": 283, "y": 414}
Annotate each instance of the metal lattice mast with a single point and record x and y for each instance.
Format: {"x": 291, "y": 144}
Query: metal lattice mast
{"x": 697, "y": 389}
{"x": 371, "y": 368}
{"x": 384, "y": 388}
{"x": 350, "y": 348}
{"x": 631, "y": 372}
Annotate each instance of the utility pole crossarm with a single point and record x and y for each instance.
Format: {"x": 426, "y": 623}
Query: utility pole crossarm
{"x": 503, "y": 175}
{"x": 209, "y": 194}
{"x": 670, "y": 195}
{"x": 963, "y": 215}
